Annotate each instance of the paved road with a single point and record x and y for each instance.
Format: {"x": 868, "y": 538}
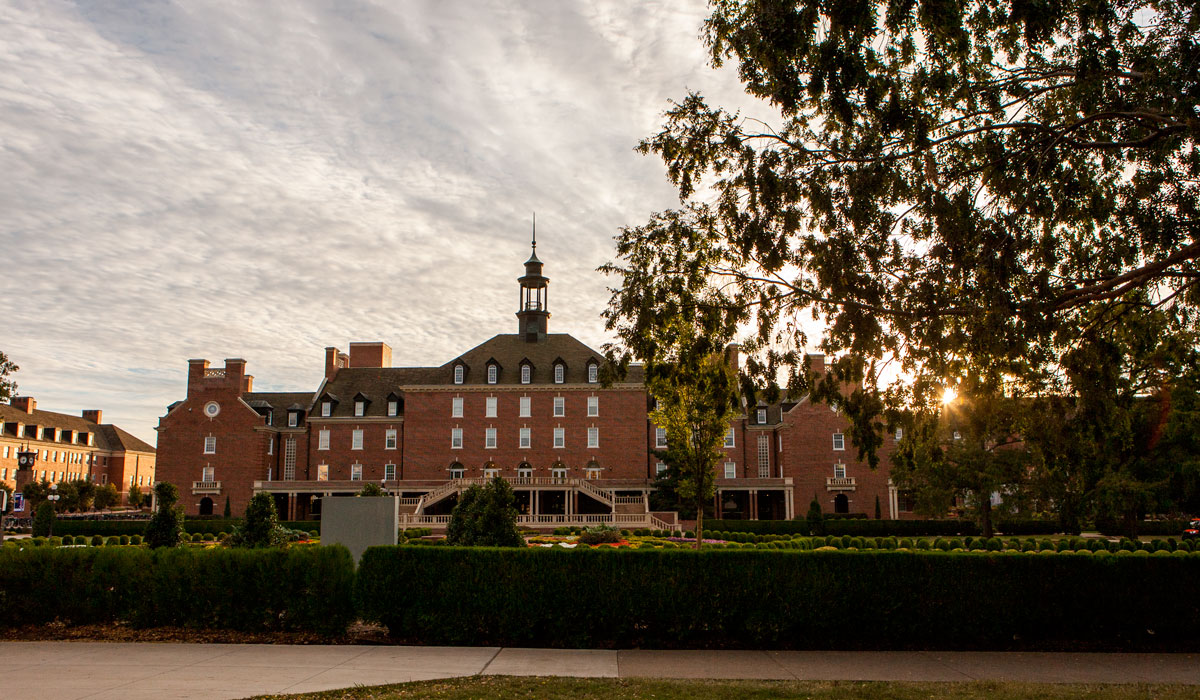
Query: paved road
{"x": 131, "y": 671}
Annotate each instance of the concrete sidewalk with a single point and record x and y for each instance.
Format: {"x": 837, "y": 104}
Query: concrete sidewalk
{"x": 69, "y": 670}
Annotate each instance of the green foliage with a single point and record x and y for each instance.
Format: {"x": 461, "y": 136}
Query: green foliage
{"x": 228, "y": 512}
{"x": 85, "y": 494}
{"x": 485, "y": 517}
{"x": 107, "y": 496}
{"x": 307, "y": 589}
{"x": 43, "y": 520}
{"x": 35, "y": 493}
{"x": 135, "y": 496}
{"x": 260, "y": 527}
{"x": 601, "y": 534}
{"x": 816, "y": 521}
{"x": 545, "y": 598}
{"x": 165, "y": 528}
{"x": 8, "y": 387}
{"x": 372, "y": 489}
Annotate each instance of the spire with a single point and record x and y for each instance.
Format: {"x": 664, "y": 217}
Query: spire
{"x": 533, "y": 258}
{"x": 532, "y": 312}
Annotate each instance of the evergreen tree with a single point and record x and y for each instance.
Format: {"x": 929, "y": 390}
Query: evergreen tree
{"x": 261, "y": 526}
{"x": 43, "y": 520}
{"x": 485, "y": 516}
{"x": 135, "y": 496}
{"x": 228, "y": 513}
{"x": 816, "y": 520}
{"x": 372, "y": 489}
{"x": 165, "y": 528}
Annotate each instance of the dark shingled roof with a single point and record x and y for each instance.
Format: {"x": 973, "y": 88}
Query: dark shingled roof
{"x": 280, "y": 401}
{"x": 108, "y": 437}
{"x": 376, "y": 383}
{"x": 119, "y": 440}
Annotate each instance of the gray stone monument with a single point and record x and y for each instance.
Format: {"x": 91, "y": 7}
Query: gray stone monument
{"x": 358, "y": 522}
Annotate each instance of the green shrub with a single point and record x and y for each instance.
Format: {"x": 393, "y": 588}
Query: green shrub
{"x": 123, "y": 539}
{"x": 97, "y": 540}
{"x": 165, "y": 529}
{"x": 197, "y": 537}
{"x": 54, "y": 541}
{"x": 601, "y": 534}
{"x": 1029, "y": 527}
{"x": 301, "y": 589}
{"x": 43, "y": 519}
{"x": 546, "y": 598}
{"x": 135, "y": 539}
{"x": 112, "y": 541}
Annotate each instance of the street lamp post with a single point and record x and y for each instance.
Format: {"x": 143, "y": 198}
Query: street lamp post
{"x": 53, "y": 498}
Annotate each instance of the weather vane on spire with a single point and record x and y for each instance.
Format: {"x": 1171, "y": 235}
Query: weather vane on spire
{"x": 535, "y": 232}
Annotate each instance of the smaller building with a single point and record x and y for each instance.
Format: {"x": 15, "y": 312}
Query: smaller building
{"x": 72, "y": 447}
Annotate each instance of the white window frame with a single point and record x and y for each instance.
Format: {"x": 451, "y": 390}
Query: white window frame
{"x": 660, "y": 438}
{"x": 293, "y": 419}
{"x": 389, "y": 472}
{"x": 323, "y": 439}
{"x": 326, "y": 408}
{"x": 560, "y": 406}
{"x": 491, "y": 472}
{"x": 560, "y": 373}
{"x": 730, "y": 439}
{"x": 659, "y": 468}
{"x": 525, "y": 438}
{"x": 270, "y": 444}
{"x": 593, "y": 373}
{"x": 208, "y": 474}
{"x": 761, "y": 416}
{"x": 526, "y": 374}
{"x": 560, "y": 438}
{"x": 389, "y": 439}
{"x": 526, "y": 410}
{"x": 558, "y": 472}
{"x": 490, "y": 407}
{"x": 360, "y": 408}
{"x": 593, "y": 438}
{"x": 493, "y": 373}
{"x": 456, "y": 438}
{"x": 322, "y": 472}
{"x": 456, "y": 407}
{"x": 525, "y": 472}
{"x": 839, "y": 442}
{"x": 355, "y": 472}
{"x": 899, "y": 434}
{"x": 593, "y": 406}
{"x": 459, "y": 371}
{"x": 839, "y": 470}
{"x": 210, "y": 445}
{"x": 764, "y": 456}
{"x": 489, "y": 438}
{"x": 356, "y": 439}
{"x": 458, "y": 473}
{"x": 731, "y": 470}
{"x": 393, "y": 408}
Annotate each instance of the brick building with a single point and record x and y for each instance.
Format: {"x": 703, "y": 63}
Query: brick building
{"x": 71, "y": 447}
{"x": 527, "y": 406}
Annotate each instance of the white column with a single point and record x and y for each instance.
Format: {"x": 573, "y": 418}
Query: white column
{"x": 893, "y": 501}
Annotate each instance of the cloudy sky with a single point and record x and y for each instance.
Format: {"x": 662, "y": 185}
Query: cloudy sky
{"x": 262, "y": 180}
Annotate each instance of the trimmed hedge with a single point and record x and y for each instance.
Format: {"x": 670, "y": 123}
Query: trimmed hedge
{"x": 108, "y": 528}
{"x": 849, "y": 526}
{"x": 1028, "y": 527}
{"x": 682, "y": 598}
{"x": 300, "y": 589}
{"x": 1146, "y": 528}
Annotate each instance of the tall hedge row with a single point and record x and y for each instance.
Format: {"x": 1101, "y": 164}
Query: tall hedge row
{"x": 298, "y": 589}
{"x": 777, "y": 599}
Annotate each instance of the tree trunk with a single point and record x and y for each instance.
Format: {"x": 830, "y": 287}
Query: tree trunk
{"x": 985, "y": 515}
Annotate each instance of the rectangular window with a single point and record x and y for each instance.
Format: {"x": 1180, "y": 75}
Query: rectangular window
{"x": 593, "y": 438}
{"x": 389, "y": 439}
{"x": 360, "y": 407}
{"x": 271, "y": 445}
{"x": 839, "y": 471}
{"x": 559, "y": 372}
{"x": 592, "y": 473}
{"x": 560, "y": 439}
{"x": 560, "y": 406}
{"x": 526, "y": 374}
{"x": 839, "y": 441}
{"x": 490, "y": 411}
{"x": 764, "y": 456}
{"x": 558, "y": 472}
{"x": 323, "y": 440}
{"x": 593, "y": 405}
{"x": 730, "y": 470}
{"x": 457, "y": 473}
{"x": 493, "y": 372}
{"x": 456, "y": 409}
{"x": 525, "y": 438}
{"x": 326, "y": 407}
{"x": 762, "y": 416}
{"x": 660, "y": 468}
{"x": 905, "y": 502}
{"x": 210, "y": 445}
{"x": 660, "y": 438}
{"x": 356, "y": 440}
{"x": 524, "y": 472}
{"x": 593, "y": 373}
{"x": 289, "y": 459}
{"x": 389, "y": 472}
{"x": 355, "y": 472}
{"x": 489, "y": 438}
{"x": 899, "y": 434}
{"x": 393, "y": 407}
{"x": 491, "y": 473}
{"x": 729, "y": 439}
{"x": 208, "y": 474}
{"x": 322, "y": 472}
{"x": 458, "y": 374}
{"x": 456, "y": 438}
{"x": 293, "y": 419}
{"x": 525, "y": 412}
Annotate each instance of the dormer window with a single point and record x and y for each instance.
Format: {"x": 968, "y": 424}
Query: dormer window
{"x": 458, "y": 374}
{"x": 360, "y": 407}
{"x": 762, "y": 416}
{"x": 593, "y": 373}
{"x": 559, "y": 373}
{"x": 293, "y": 419}
{"x": 526, "y": 374}
{"x": 393, "y": 407}
{"x": 326, "y": 408}
{"x": 493, "y": 372}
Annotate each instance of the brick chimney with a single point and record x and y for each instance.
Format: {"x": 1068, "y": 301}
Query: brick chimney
{"x": 375, "y": 354}
{"x": 733, "y": 356}
{"x": 93, "y": 415}
{"x": 816, "y": 364}
{"x": 27, "y": 404}
{"x": 335, "y": 360}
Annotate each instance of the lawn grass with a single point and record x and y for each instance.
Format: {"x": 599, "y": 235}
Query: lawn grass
{"x": 541, "y": 688}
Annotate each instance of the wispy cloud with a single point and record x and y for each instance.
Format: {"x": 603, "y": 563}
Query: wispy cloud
{"x": 262, "y": 180}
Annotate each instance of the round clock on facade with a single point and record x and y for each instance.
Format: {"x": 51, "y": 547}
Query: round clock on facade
{"x": 211, "y": 409}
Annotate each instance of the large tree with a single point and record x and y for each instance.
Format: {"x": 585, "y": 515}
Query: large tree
{"x": 947, "y": 188}
{"x": 8, "y": 387}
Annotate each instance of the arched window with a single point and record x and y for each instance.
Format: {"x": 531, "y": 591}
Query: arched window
{"x": 526, "y": 374}
{"x": 559, "y": 372}
{"x": 458, "y": 374}
{"x": 457, "y": 471}
{"x": 593, "y": 373}
{"x": 493, "y": 372}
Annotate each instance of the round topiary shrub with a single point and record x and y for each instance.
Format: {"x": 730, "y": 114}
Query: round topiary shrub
{"x": 906, "y": 543}
{"x": 124, "y": 539}
{"x": 97, "y": 541}
{"x": 112, "y": 541}
{"x": 955, "y": 543}
{"x": 135, "y": 539}
{"x": 858, "y": 543}
{"x": 55, "y": 541}
{"x": 922, "y": 544}
{"x": 942, "y": 543}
